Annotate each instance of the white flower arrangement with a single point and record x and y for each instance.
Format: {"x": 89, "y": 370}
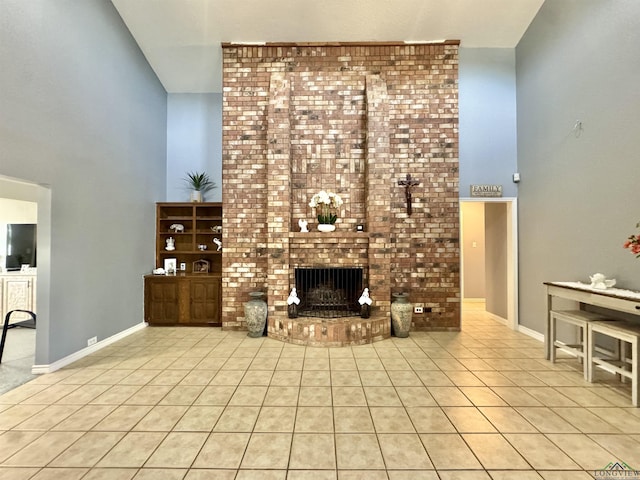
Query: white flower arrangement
{"x": 324, "y": 202}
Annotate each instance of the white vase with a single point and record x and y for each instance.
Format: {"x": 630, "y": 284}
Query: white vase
{"x": 196, "y": 196}
{"x": 326, "y": 227}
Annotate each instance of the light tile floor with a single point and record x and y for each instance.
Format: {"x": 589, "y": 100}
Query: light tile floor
{"x": 202, "y": 404}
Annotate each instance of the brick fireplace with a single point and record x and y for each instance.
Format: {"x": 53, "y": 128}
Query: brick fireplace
{"x": 352, "y": 119}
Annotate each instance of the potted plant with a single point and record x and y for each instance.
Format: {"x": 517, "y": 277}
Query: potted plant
{"x": 324, "y": 202}
{"x": 199, "y": 183}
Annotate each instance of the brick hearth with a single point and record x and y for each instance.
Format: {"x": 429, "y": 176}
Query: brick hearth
{"x": 352, "y": 119}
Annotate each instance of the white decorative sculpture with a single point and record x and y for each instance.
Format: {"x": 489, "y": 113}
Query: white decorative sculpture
{"x": 292, "y": 303}
{"x": 599, "y": 281}
{"x": 218, "y": 242}
{"x": 365, "y": 298}
{"x": 365, "y": 304}
{"x": 293, "y": 298}
{"x": 177, "y": 227}
{"x": 303, "y": 225}
{"x": 171, "y": 244}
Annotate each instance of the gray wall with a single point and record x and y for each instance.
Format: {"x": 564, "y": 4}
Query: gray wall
{"x": 487, "y": 84}
{"x": 83, "y": 114}
{"x": 194, "y": 142}
{"x": 495, "y": 229}
{"x": 578, "y": 197}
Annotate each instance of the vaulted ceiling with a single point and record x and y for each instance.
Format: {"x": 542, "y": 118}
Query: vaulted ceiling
{"x": 181, "y": 39}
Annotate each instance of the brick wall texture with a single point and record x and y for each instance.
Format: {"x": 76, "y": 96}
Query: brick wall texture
{"x": 352, "y": 119}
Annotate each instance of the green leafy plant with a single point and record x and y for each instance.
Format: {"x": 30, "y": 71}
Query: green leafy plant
{"x": 199, "y": 181}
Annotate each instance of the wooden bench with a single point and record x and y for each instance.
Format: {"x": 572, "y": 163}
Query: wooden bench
{"x": 577, "y": 318}
{"x": 626, "y": 363}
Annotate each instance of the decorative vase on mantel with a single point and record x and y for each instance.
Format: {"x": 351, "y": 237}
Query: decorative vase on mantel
{"x": 255, "y": 314}
{"x": 326, "y": 227}
{"x": 401, "y": 314}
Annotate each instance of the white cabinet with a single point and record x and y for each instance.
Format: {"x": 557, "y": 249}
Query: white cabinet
{"x": 17, "y": 291}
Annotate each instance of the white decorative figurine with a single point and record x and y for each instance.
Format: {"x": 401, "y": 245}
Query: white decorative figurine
{"x": 599, "y": 281}
{"x": 218, "y": 242}
{"x": 365, "y": 304}
{"x": 171, "y": 244}
{"x": 177, "y": 227}
{"x": 303, "y": 226}
{"x": 293, "y": 298}
{"x": 293, "y": 301}
{"x": 365, "y": 298}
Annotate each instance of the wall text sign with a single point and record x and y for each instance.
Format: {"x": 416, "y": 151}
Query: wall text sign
{"x": 486, "y": 190}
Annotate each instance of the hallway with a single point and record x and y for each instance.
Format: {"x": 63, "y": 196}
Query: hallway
{"x": 199, "y": 403}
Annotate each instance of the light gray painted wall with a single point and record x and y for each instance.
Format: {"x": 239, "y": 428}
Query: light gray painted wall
{"x": 83, "y": 114}
{"x": 578, "y": 197}
{"x": 495, "y": 230}
{"x": 194, "y": 142}
{"x": 487, "y": 96}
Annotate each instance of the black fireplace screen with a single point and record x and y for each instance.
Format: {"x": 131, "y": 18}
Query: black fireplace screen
{"x": 329, "y": 292}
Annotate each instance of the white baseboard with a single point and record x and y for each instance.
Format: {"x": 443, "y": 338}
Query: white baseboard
{"x": 531, "y": 333}
{"x": 498, "y": 318}
{"x": 74, "y": 357}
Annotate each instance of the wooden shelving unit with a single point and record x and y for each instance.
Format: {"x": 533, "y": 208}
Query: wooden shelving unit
{"x": 191, "y": 296}
{"x": 198, "y": 219}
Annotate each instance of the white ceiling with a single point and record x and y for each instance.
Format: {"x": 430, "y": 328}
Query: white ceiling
{"x": 181, "y": 38}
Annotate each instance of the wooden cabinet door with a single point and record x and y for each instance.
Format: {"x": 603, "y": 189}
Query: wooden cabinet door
{"x": 205, "y": 300}
{"x": 161, "y": 301}
{"x": 17, "y": 295}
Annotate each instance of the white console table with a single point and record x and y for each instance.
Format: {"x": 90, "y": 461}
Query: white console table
{"x": 626, "y": 301}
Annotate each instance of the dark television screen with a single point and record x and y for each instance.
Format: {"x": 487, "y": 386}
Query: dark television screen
{"x": 21, "y": 245}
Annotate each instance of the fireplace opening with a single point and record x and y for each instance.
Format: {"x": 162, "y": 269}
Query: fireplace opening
{"x": 329, "y": 292}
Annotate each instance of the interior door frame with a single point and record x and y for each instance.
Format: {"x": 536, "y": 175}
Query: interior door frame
{"x": 512, "y": 254}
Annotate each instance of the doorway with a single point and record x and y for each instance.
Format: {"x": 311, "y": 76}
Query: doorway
{"x": 488, "y": 256}
{"x": 30, "y": 204}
